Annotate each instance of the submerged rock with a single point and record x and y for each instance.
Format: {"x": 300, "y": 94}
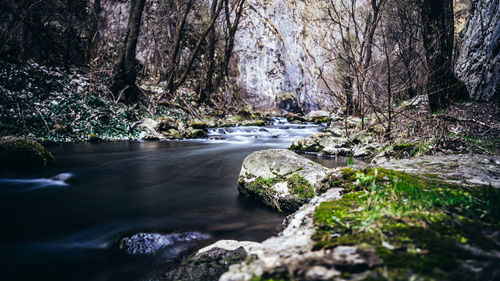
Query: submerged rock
{"x": 152, "y": 243}
{"x": 280, "y": 178}
{"x": 23, "y": 153}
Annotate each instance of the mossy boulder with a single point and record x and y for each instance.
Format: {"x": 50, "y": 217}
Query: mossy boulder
{"x": 196, "y": 134}
{"x": 323, "y": 142}
{"x": 280, "y": 178}
{"x": 198, "y": 124}
{"x": 23, "y": 153}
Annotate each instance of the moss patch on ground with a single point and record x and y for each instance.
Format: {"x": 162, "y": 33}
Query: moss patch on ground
{"x": 418, "y": 227}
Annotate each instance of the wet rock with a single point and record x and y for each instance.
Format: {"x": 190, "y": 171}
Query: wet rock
{"x": 152, "y": 243}
{"x": 198, "y": 124}
{"x": 149, "y": 129}
{"x": 207, "y": 265}
{"x": 280, "y": 178}
{"x": 164, "y": 124}
{"x": 173, "y": 134}
{"x": 323, "y": 142}
{"x": 294, "y": 118}
{"x": 23, "y": 153}
{"x": 196, "y": 133}
{"x": 287, "y": 251}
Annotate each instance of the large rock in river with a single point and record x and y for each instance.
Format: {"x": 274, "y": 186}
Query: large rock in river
{"x": 280, "y": 178}
{"x": 23, "y": 153}
{"x": 152, "y": 243}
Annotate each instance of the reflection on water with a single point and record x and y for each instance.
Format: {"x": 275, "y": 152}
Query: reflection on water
{"x": 63, "y": 227}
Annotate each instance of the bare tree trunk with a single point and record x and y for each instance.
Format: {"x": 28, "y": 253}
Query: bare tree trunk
{"x": 212, "y": 40}
{"x": 93, "y": 39}
{"x": 124, "y": 73}
{"x": 438, "y": 29}
{"x": 232, "y": 28}
{"x": 174, "y": 51}
{"x": 196, "y": 49}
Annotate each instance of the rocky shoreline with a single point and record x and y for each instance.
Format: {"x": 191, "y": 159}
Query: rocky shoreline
{"x": 297, "y": 254}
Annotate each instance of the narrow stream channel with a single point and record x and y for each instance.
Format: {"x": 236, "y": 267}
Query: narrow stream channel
{"x": 65, "y": 228}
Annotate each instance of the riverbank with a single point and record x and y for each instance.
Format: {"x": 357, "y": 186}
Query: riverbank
{"x": 53, "y": 104}
{"x": 426, "y": 208}
{"x": 382, "y": 224}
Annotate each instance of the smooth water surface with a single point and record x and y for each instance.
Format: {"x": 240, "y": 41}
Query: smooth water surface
{"x": 62, "y": 223}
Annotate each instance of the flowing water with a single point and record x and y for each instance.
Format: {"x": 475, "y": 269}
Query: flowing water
{"x": 62, "y": 223}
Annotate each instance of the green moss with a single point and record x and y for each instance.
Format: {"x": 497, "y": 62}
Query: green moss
{"x": 259, "y": 123}
{"x": 490, "y": 144}
{"x": 312, "y": 148}
{"x": 300, "y": 189}
{"x": 299, "y": 186}
{"x": 413, "y": 224}
{"x": 23, "y": 153}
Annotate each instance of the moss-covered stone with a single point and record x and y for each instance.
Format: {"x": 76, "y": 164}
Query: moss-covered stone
{"x": 23, "y": 153}
{"x": 198, "y": 124}
{"x": 299, "y": 186}
{"x": 419, "y": 227}
{"x": 197, "y": 134}
{"x": 280, "y": 178}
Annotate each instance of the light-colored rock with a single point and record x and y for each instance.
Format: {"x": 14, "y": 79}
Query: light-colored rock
{"x": 324, "y": 142}
{"x": 321, "y": 273}
{"x": 292, "y": 249}
{"x": 231, "y": 245}
{"x": 318, "y": 114}
{"x": 282, "y": 47}
{"x": 280, "y": 178}
{"x": 149, "y": 129}
{"x": 478, "y": 63}
{"x": 463, "y": 169}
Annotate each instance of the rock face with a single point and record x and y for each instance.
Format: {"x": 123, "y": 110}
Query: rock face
{"x": 23, "y": 153}
{"x": 152, "y": 243}
{"x": 280, "y": 49}
{"x": 280, "y": 178}
{"x": 478, "y": 64}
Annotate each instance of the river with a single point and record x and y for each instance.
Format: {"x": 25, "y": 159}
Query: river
{"x": 62, "y": 223}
